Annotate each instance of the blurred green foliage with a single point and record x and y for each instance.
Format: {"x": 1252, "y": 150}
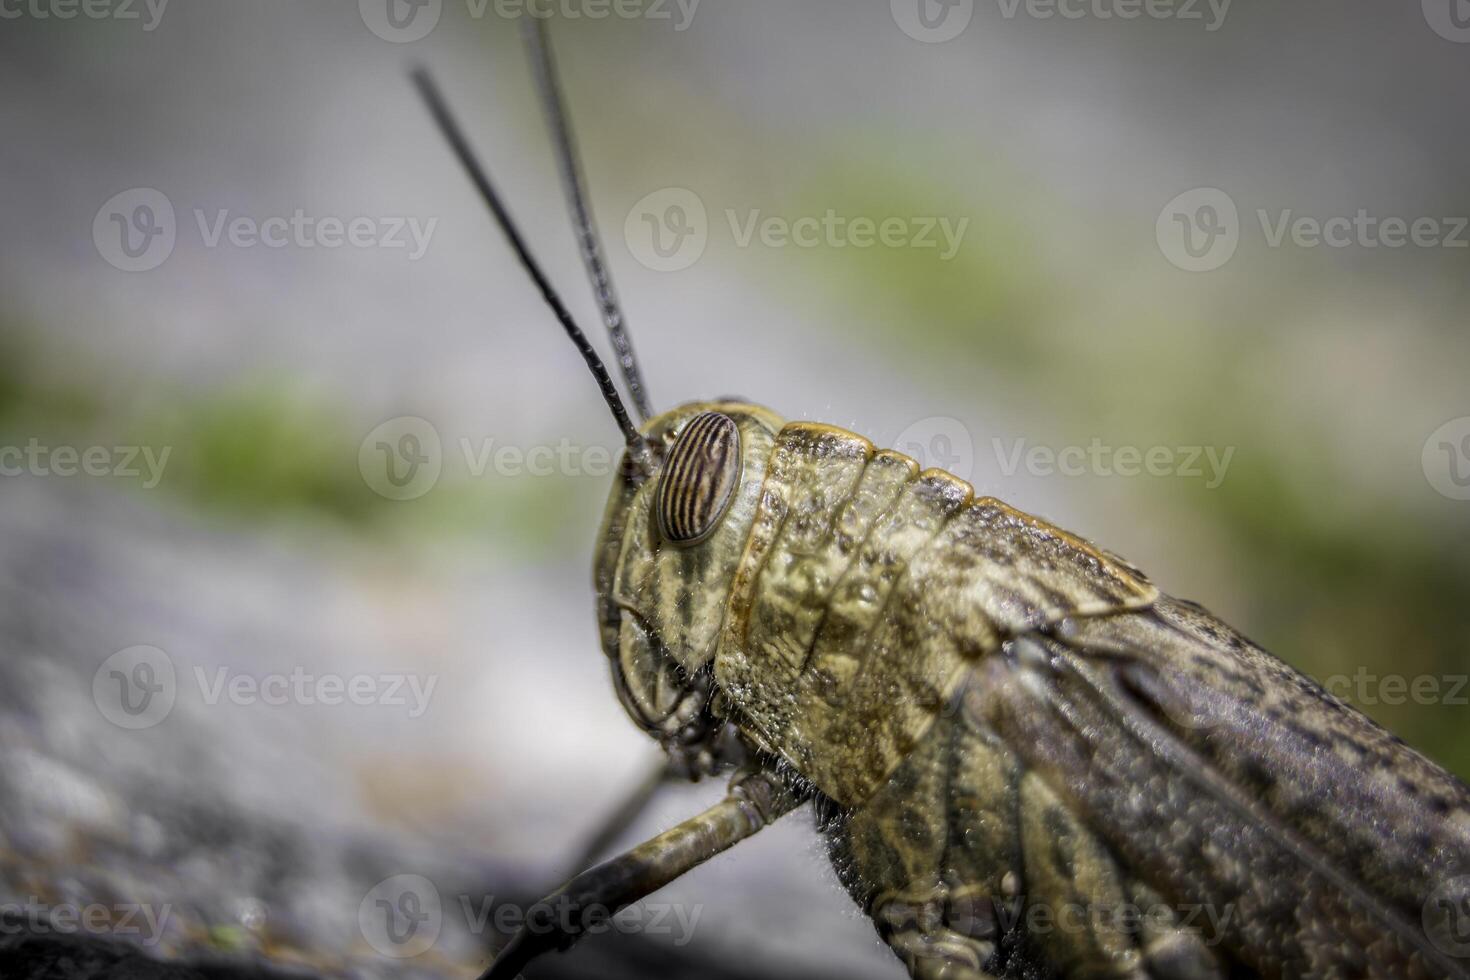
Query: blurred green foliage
{"x": 269, "y": 451}
{"x": 261, "y": 449}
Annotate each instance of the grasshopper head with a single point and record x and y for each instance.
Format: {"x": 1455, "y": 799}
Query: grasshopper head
{"x": 672, "y": 537}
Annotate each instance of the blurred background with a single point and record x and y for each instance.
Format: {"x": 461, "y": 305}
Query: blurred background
{"x": 300, "y": 480}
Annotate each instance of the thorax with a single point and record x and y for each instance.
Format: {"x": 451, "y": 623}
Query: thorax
{"x": 867, "y": 589}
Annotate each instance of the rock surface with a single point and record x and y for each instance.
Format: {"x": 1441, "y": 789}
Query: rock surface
{"x": 233, "y": 838}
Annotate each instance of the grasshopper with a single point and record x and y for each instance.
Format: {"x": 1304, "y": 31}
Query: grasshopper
{"x": 1024, "y": 758}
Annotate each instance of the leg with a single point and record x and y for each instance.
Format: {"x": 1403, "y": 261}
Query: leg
{"x": 754, "y": 800}
{"x": 1090, "y": 917}
{"x": 972, "y": 867}
{"x": 1070, "y": 883}
{"x": 933, "y": 856}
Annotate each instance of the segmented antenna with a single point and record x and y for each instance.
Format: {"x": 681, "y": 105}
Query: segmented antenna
{"x": 481, "y": 179}
{"x": 574, "y": 185}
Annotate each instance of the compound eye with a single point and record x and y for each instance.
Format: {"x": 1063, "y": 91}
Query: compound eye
{"x": 699, "y": 478}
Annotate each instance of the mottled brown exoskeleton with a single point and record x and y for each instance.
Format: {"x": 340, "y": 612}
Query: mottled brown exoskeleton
{"x": 1025, "y": 759}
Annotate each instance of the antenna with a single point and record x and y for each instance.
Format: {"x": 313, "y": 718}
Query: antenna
{"x": 481, "y": 179}
{"x": 574, "y": 185}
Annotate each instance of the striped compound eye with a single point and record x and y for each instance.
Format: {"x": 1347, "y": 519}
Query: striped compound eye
{"x": 699, "y": 478}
